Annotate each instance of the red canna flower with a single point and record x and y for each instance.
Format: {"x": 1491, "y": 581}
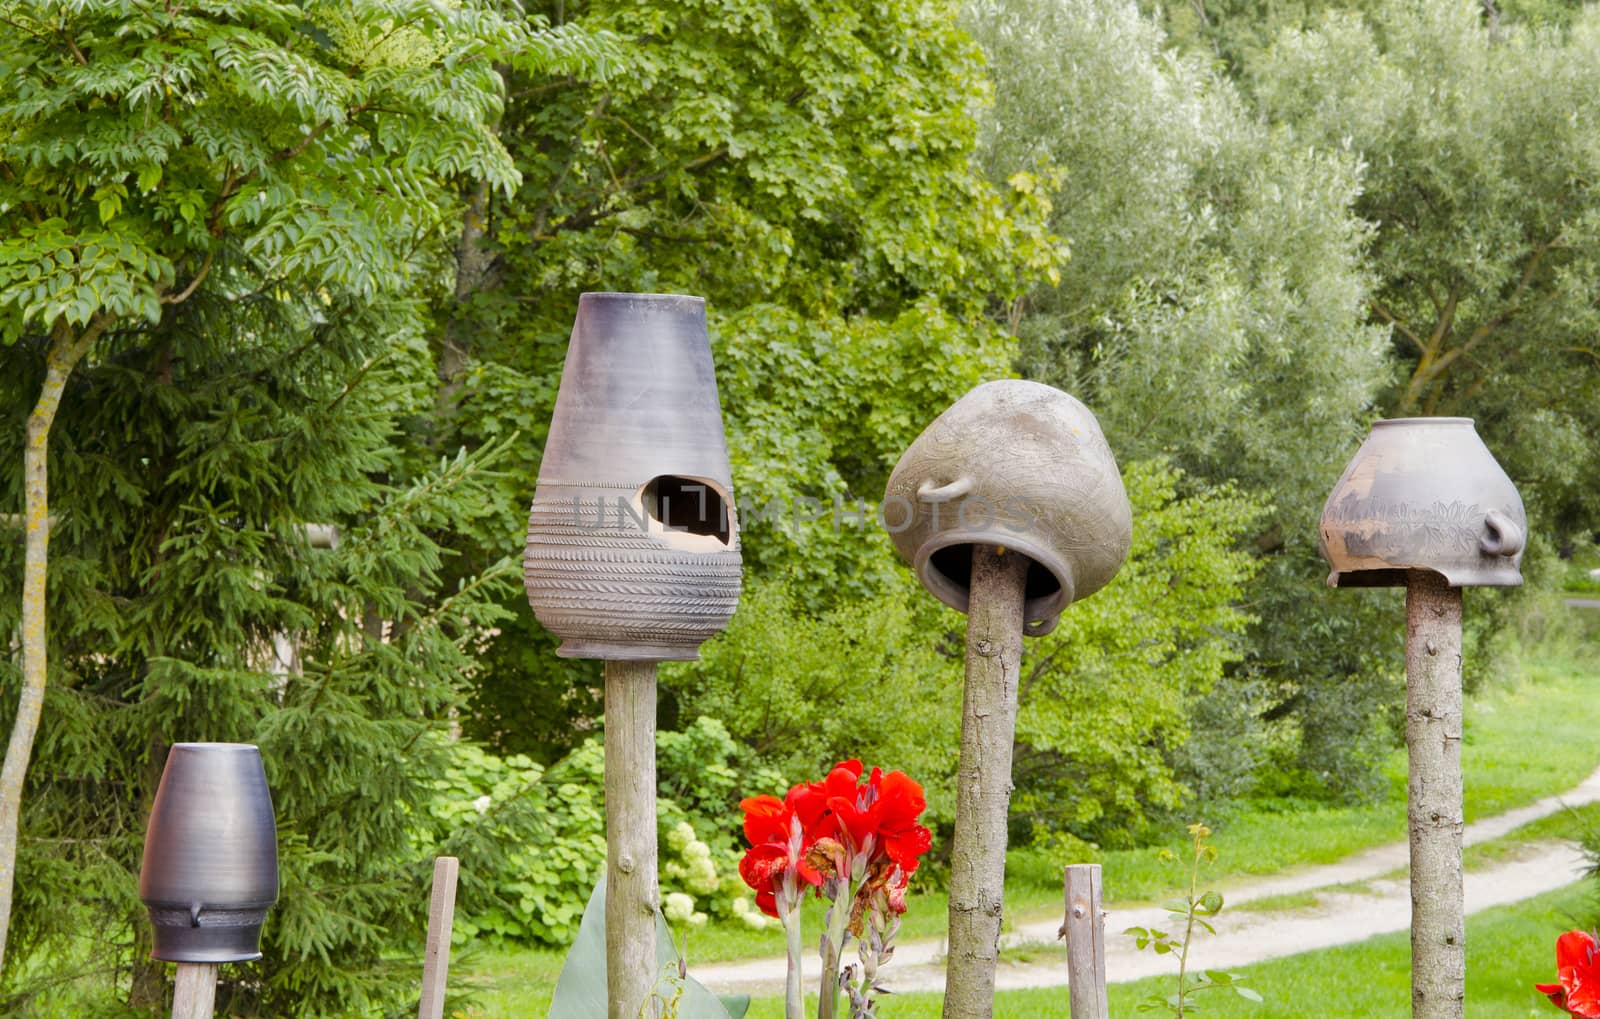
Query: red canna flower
{"x": 880, "y": 819}
{"x": 1579, "y": 970}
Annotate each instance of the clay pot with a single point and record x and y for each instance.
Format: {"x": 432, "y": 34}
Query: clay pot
{"x": 633, "y": 538}
{"x": 210, "y": 869}
{"x": 1020, "y": 465}
{"x": 1424, "y": 494}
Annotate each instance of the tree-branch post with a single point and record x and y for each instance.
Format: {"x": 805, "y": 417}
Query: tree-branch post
{"x": 983, "y": 784}
{"x": 1085, "y": 931}
{"x": 195, "y": 993}
{"x": 632, "y": 896}
{"x": 1434, "y": 801}
{"x": 66, "y": 349}
{"x": 436, "y": 954}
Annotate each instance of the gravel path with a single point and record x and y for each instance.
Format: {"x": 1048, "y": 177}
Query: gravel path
{"x": 1342, "y": 915}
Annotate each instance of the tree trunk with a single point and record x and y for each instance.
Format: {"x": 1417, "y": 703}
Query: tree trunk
{"x": 1433, "y": 742}
{"x": 983, "y": 782}
{"x": 631, "y": 893}
{"x": 62, "y": 355}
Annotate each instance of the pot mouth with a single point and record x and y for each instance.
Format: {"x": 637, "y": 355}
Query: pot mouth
{"x": 216, "y": 746}
{"x": 944, "y": 564}
{"x": 1422, "y": 421}
{"x": 623, "y": 295}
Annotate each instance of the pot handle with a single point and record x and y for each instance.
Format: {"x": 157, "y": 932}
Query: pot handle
{"x": 1040, "y": 627}
{"x": 1503, "y": 537}
{"x": 929, "y": 492}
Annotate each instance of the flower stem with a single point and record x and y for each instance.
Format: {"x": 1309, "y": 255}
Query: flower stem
{"x": 832, "y": 949}
{"x": 794, "y": 1001}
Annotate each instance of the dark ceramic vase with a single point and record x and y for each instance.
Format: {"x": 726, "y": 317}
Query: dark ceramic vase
{"x": 210, "y": 869}
{"x": 1020, "y": 465}
{"x": 633, "y": 539}
{"x": 1424, "y": 494}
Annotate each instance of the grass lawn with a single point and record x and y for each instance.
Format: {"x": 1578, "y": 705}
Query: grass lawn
{"x": 1510, "y": 733}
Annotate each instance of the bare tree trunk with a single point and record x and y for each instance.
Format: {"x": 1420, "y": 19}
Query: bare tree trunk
{"x": 631, "y": 893}
{"x": 1433, "y": 742}
{"x": 983, "y": 782}
{"x": 62, "y": 355}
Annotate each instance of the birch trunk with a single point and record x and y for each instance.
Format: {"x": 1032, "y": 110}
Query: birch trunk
{"x": 61, "y": 357}
{"x": 983, "y": 781}
{"x": 1435, "y": 813}
{"x": 631, "y": 893}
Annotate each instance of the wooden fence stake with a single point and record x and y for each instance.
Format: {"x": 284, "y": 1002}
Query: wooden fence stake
{"x": 1085, "y": 931}
{"x": 436, "y": 956}
{"x": 632, "y": 896}
{"x": 195, "y": 995}
{"x": 983, "y": 780}
{"x": 1434, "y": 800}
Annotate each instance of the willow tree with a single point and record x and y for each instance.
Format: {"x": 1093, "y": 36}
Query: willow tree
{"x": 150, "y": 154}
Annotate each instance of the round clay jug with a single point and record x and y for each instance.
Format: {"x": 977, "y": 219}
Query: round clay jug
{"x": 1020, "y": 465}
{"x": 633, "y": 537}
{"x": 1424, "y": 494}
{"x": 210, "y": 868}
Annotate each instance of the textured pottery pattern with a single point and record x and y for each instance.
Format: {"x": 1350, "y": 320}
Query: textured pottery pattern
{"x": 210, "y": 867}
{"x": 605, "y": 569}
{"x": 1020, "y": 465}
{"x": 1424, "y": 493}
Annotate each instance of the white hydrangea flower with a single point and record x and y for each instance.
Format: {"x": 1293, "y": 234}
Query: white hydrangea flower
{"x": 481, "y": 804}
{"x": 679, "y": 908}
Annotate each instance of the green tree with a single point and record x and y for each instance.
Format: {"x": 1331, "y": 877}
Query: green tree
{"x": 807, "y": 166}
{"x": 1214, "y": 313}
{"x": 1478, "y": 143}
{"x": 250, "y": 152}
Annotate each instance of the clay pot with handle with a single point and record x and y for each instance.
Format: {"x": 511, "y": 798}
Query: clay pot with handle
{"x": 1424, "y": 493}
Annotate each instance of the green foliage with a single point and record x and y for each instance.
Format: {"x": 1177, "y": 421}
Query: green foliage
{"x": 808, "y": 167}
{"x": 1213, "y": 313}
{"x": 1104, "y": 700}
{"x": 1108, "y": 697}
{"x": 1479, "y": 147}
{"x": 189, "y": 605}
{"x": 531, "y": 839}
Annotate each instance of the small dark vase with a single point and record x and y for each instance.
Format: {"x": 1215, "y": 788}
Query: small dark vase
{"x": 633, "y": 539}
{"x": 1424, "y": 494}
{"x": 210, "y": 869}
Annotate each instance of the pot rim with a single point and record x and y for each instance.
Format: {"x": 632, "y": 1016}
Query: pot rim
{"x": 1034, "y": 610}
{"x": 1424, "y": 421}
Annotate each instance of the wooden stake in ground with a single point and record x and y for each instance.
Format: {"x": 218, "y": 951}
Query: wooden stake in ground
{"x": 983, "y": 782}
{"x": 195, "y": 995}
{"x": 436, "y": 956}
{"x": 1085, "y": 931}
{"x": 632, "y": 895}
{"x": 1434, "y": 802}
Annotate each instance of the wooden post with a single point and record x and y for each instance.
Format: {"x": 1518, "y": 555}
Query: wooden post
{"x": 632, "y": 896}
{"x": 436, "y": 956}
{"x": 195, "y": 995}
{"x": 1434, "y": 801}
{"x": 983, "y": 780}
{"x": 1085, "y": 931}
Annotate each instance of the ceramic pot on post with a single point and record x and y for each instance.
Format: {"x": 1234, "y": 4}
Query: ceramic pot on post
{"x": 1424, "y": 494}
{"x": 210, "y": 867}
{"x": 1009, "y": 506}
{"x": 1425, "y": 505}
{"x": 1018, "y": 465}
{"x": 633, "y": 539}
